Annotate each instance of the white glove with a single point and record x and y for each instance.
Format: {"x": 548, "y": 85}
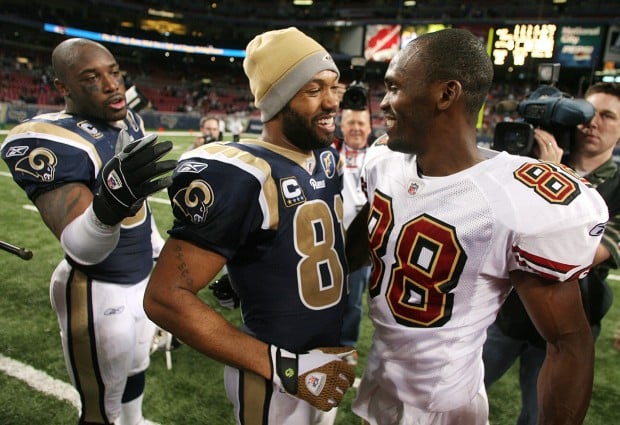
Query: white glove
{"x": 320, "y": 377}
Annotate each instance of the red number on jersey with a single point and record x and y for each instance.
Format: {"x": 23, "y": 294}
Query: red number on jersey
{"x": 428, "y": 261}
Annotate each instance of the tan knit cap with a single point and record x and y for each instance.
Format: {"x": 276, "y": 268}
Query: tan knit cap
{"x": 278, "y": 63}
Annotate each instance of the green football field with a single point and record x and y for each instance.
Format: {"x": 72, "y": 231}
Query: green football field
{"x": 34, "y": 380}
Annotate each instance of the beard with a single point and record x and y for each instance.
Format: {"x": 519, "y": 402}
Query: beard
{"x": 302, "y": 134}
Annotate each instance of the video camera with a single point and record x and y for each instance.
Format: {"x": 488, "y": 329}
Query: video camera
{"x": 356, "y": 95}
{"x": 208, "y": 139}
{"x": 136, "y": 100}
{"x": 548, "y": 108}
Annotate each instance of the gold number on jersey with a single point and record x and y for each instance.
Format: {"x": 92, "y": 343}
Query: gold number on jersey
{"x": 319, "y": 273}
{"x": 553, "y": 185}
{"x": 428, "y": 261}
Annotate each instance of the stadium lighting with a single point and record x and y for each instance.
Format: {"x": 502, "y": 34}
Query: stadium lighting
{"x": 138, "y": 42}
{"x": 163, "y": 13}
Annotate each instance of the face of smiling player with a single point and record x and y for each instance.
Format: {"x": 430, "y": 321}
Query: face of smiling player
{"x": 309, "y": 119}
{"x": 408, "y": 104}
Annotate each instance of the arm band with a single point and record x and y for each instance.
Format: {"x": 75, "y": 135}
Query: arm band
{"x": 87, "y": 240}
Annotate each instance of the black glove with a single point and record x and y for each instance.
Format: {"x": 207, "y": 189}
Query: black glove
{"x": 129, "y": 177}
{"x": 224, "y": 292}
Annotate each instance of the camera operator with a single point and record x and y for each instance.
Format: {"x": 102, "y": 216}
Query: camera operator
{"x": 513, "y": 335}
{"x": 209, "y": 131}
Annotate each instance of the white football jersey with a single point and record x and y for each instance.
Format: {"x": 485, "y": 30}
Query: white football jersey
{"x": 442, "y": 249}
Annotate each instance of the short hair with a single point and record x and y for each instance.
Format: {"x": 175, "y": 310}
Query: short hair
{"x": 68, "y": 52}
{"x": 612, "y": 89}
{"x": 203, "y": 120}
{"x": 456, "y": 54}
{"x": 349, "y": 110}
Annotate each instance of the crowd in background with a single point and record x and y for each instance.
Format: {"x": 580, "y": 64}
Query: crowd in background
{"x": 226, "y": 93}
{"x": 206, "y": 96}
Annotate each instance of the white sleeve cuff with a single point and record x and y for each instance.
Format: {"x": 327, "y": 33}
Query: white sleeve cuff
{"x": 157, "y": 241}
{"x": 87, "y": 240}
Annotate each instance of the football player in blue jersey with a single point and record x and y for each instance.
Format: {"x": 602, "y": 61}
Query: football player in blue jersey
{"x": 88, "y": 169}
{"x": 271, "y": 211}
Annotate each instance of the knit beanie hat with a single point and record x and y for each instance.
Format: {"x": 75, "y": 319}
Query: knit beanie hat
{"x": 279, "y": 63}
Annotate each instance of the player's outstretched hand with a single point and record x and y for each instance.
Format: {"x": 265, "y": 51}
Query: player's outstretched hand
{"x": 130, "y": 176}
{"x": 320, "y": 377}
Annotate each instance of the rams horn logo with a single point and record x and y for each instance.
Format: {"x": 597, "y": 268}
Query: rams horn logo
{"x": 194, "y": 201}
{"x": 41, "y": 163}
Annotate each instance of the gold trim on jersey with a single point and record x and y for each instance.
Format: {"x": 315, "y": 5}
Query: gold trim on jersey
{"x": 253, "y": 394}
{"x": 306, "y": 161}
{"x": 56, "y": 133}
{"x": 137, "y": 219}
{"x": 251, "y": 164}
{"x": 82, "y": 346}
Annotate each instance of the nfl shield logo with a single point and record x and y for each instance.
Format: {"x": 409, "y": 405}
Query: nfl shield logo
{"x": 113, "y": 181}
{"x": 413, "y": 188}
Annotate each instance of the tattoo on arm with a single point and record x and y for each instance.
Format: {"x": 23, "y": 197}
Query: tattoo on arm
{"x": 182, "y": 266}
{"x": 60, "y": 206}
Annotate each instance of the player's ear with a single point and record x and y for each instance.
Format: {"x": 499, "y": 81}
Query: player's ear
{"x": 61, "y": 87}
{"x": 450, "y": 92}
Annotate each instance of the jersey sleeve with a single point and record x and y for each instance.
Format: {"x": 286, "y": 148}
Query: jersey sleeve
{"x": 215, "y": 201}
{"x": 561, "y": 224}
{"x": 42, "y": 159}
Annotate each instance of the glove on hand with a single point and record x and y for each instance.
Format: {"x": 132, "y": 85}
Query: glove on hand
{"x": 320, "y": 377}
{"x": 224, "y": 292}
{"x": 129, "y": 177}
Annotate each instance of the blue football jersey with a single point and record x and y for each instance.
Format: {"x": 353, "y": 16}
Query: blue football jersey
{"x": 276, "y": 215}
{"x": 53, "y": 149}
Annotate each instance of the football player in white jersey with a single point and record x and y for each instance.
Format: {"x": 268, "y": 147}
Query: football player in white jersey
{"x": 452, "y": 228}
{"x": 271, "y": 211}
{"x": 89, "y": 177}
{"x": 512, "y": 337}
